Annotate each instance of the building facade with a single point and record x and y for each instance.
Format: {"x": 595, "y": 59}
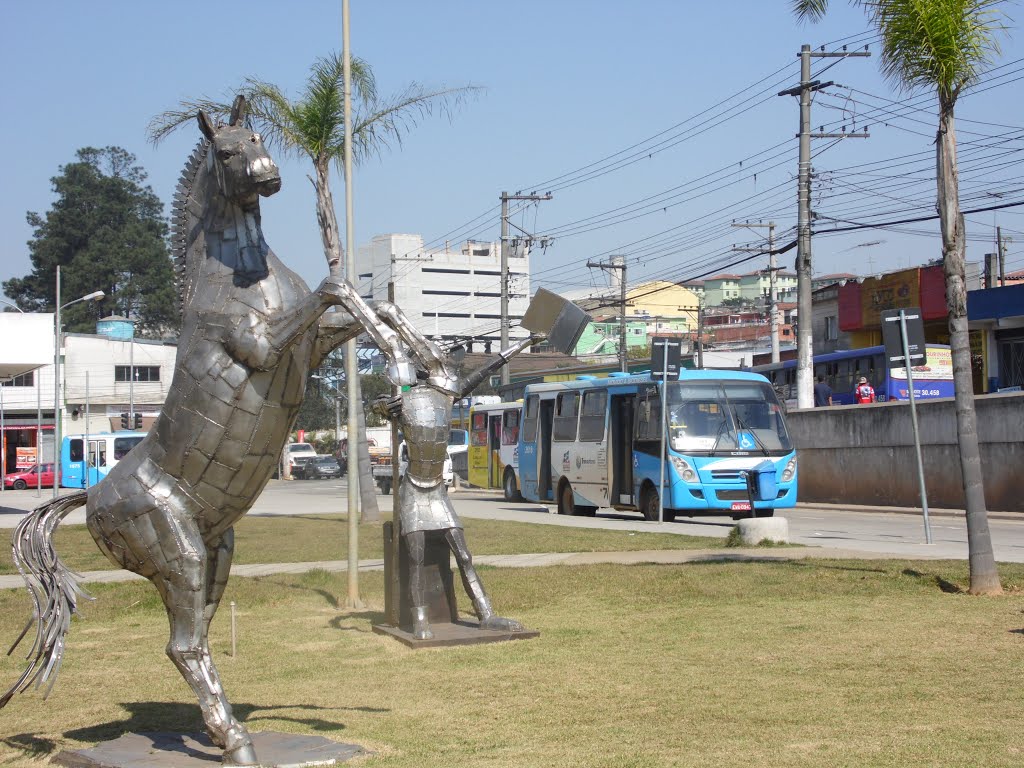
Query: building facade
{"x": 449, "y": 294}
{"x": 96, "y": 387}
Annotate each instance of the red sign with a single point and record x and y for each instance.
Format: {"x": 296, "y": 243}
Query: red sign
{"x": 302, "y": 436}
{"x": 740, "y": 506}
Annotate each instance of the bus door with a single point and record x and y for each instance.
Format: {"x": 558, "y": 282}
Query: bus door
{"x": 493, "y": 450}
{"x": 546, "y": 417}
{"x": 620, "y": 443}
{"x": 97, "y": 461}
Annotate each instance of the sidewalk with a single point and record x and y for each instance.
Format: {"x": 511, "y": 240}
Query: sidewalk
{"x": 539, "y": 560}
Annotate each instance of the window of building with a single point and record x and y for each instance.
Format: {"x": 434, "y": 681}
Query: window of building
{"x": 142, "y": 373}
{"x": 566, "y": 408}
{"x": 448, "y": 293}
{"x": 487, "y": 272}
{"x": 24, "y": 380}
{"x": 831, "y": 328}
{"x": 448, "y": 271}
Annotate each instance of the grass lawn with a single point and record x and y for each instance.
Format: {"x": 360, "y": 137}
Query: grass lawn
{"x": 313, "y": 538}
{"x": 823, "y": 663}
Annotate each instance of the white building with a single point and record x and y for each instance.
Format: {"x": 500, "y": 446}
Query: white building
{"x": 96, "y": 384}
{"x": 450, "y": 293}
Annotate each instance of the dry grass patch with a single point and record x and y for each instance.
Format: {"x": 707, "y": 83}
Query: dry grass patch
{"x": 838, "y": 663}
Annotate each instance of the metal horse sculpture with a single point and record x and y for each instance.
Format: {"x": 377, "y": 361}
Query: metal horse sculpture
{"x": 251, "y": 332}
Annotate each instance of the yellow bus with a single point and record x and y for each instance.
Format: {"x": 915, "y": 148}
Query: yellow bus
{"x": 494, "y": 447}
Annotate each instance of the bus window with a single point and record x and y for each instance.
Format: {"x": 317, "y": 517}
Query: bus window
{"x": 124, "y": 444}
{"x": 75, "y": 450}
{"x": 510, "y": 427}
{"x": 478, "y": 433}
{"x": 648, "y": 422}
{"x": 595, "y": 403}
{"x": 530, "y": 418}
{"x": 566, "y": 406}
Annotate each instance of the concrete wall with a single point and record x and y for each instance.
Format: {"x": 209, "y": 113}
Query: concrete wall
{"x": 864, "y": 454}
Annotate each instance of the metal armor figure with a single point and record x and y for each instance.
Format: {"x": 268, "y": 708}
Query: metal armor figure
{"x": 424, "y": 414}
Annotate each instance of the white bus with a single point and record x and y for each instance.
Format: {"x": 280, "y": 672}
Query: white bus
{"x": 494, "y": 447}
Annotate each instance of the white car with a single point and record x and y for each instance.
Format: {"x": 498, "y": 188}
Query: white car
{"x": 294, "y": 450}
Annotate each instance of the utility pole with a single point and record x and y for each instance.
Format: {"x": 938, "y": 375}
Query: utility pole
{"x": 505, "y": 197}
{"x": 773, "y": 297}
{"x": 700, "y": 333}
{"x": 1001, "y": 255}
{"x": 618, "y": 263}
{"x": 804, "y": 275}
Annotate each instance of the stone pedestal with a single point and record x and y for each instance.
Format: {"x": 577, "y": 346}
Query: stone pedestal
{"x": 442, "y": 608}
{"x": 194, "y": 750}
{"x": 754, "y": 530}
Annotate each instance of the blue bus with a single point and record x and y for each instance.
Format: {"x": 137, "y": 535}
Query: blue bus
{"x": 842, "y": 370}
{"x": 105, "y": 450}
{"x": 594, "y": 443}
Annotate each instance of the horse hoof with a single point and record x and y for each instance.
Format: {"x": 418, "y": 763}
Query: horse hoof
{"x": 239, "y": 749}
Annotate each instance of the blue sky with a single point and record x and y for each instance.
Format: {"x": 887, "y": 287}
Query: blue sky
{"x": 567, "y": 84}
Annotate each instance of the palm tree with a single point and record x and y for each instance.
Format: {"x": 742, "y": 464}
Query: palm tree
{"x": 945, "y": 45}
{"x": 313, "y": 126}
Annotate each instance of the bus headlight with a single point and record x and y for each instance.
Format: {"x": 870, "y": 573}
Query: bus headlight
{"x": 683, "y": 468}
{"x": 789, "y": 471}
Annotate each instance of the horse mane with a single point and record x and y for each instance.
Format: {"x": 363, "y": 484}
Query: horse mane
{"x": 186, "y": 220}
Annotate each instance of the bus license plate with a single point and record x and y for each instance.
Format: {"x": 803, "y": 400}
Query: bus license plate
{"x": 740, "y": 506}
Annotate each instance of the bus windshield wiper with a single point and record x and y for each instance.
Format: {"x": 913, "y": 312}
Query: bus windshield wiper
{"x": 743, "y": 425}
{"x": 720, "y": 434}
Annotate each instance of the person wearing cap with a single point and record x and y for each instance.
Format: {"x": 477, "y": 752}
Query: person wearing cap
{"x": 864, "y": 393}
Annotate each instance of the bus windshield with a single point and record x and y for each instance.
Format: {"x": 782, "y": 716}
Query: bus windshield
{"x": 726, "y": 416}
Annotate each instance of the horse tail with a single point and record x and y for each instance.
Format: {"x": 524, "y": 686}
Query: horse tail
{"x": 54, "y": 590}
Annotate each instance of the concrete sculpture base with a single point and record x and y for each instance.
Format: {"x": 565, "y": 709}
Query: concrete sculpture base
{"x": 754, "y": 530}
{"x": 193, "y": 750}
{"x": 462, "y": 632}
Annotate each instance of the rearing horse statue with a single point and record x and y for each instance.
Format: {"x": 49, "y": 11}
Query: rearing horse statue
{"x": 251, "y": 332}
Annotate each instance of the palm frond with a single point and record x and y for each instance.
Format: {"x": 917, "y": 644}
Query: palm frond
{"x": 164, "y": 124}
{"x": 941, "y": 44}
{"x": 809, "y": 10}
{"x": 379, "y": 125}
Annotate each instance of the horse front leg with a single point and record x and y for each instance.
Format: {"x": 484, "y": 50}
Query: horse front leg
{"x": 400, "y": 369}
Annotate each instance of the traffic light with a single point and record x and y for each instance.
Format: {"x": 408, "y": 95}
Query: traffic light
{"x": 124, "y": 421}
{"x": 138, "y": 421}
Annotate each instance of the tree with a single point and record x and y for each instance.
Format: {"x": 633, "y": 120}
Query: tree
{"x": 945, "y": 45}
{"x": 313, "y": 126}
{"x": 106, "y": 231}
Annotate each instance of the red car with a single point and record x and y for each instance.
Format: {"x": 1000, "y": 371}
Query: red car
{"x": 28, "y": 478}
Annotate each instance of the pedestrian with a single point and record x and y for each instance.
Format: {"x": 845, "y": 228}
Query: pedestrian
{"x": 822, "y": 392}
{"x": 864, "y": 393}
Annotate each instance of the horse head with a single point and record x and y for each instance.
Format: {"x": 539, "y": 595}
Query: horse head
{"x": 239, "y": 159}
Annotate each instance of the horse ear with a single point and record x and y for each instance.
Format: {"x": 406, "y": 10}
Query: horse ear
{"x": 205, "y": 125}
{"x": 237, "y": 111}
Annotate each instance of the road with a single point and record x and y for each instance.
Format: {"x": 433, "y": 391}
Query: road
{"x": 847, "y": 528}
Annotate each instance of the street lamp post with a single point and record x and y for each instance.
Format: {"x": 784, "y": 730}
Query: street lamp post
{"x": 94, "y": 296}
{"x": 12, "y": 304}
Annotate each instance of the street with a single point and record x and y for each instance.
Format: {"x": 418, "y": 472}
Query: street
{"x": 858, "y": 529}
